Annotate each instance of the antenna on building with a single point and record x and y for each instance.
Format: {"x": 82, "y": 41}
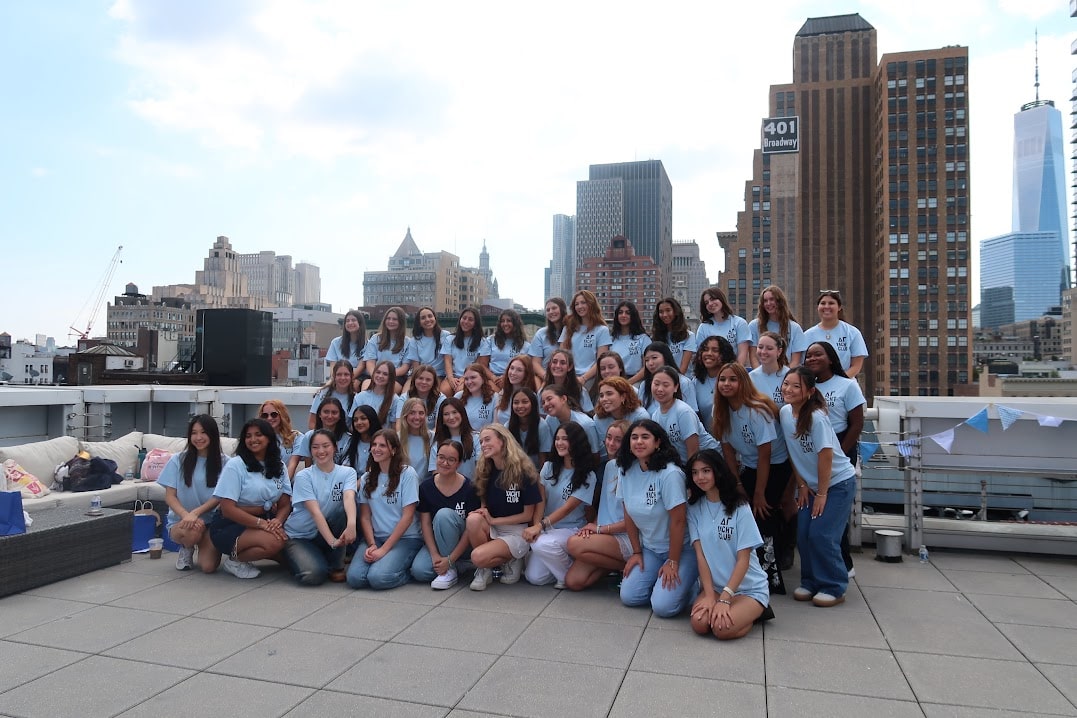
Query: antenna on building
{"x": 1037, "y": 45}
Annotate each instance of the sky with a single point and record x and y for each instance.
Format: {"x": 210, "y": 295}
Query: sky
{"x": 323, "y": 130}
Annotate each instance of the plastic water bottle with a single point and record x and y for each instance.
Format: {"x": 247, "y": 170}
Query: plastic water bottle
{"x": 924, "y": 557}
{"x": 497, "y": 573}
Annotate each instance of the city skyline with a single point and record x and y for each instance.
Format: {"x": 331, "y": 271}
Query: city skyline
{"x": 160, "y": 127}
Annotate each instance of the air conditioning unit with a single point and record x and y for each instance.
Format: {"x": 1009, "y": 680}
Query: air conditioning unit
{"x": 128, "y": 363}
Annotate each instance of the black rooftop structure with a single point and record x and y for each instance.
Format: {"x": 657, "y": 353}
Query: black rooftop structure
{"x": 834, "y": 24}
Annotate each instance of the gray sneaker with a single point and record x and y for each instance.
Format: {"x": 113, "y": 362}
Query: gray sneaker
{"x": 483, "y": 578}
{"x": 239, "y": 569}
{"x": 185, "y": 558}
{"x": 512, "y": 571}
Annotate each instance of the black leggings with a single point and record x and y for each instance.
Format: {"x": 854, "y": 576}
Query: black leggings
{"x": 776, "y": 484}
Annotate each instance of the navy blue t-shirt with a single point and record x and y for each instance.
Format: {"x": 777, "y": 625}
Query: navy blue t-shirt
{"x": 431, "y": 500}
{"x": 511, "y": 501}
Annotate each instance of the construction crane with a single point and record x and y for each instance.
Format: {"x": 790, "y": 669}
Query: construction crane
{"x": 99, "y": 297}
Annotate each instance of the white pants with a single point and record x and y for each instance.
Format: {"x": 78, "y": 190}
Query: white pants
{"x": 549, "y": 561}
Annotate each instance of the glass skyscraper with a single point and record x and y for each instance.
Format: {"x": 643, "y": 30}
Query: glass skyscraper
{"x": 1014, "y": 272}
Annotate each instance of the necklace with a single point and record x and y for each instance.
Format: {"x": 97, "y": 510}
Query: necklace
{"x": 715, "y": 515}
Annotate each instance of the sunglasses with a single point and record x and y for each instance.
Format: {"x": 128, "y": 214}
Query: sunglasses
{"x": 270, "y": 414}
{"x": 836, "y": 293}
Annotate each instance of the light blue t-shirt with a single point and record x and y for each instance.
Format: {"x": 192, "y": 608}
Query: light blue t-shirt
{"x": 733, "y": 329}
{"x": 770, "y": 384}
{"x": 400, "y": 358}
{"x": 679, "y": 348}
{"x": 842, "y": 395}
{"x": 428, "y": 351}
{"x": 611, "y": 509}
{"x": 585, "y": 422}
{"x": 721, "y": 536}
{"x": 367, "y": 397}
{"x": 417, "y": 457}
{"x": 804, "y": 451}
{"x": 386, "y": 511}
{"x": 327, "y": 490}
{"x": 362, "y": 454}
{"x": 479, "y": 413}
{"x": 251, "y": 488}
{"x": 541, "y": 348}
{"x": 630, "y": 347}
{"x": 193, "y": 496}
{"x": 335, "y": 353}
{"x": 586, "y": 344}
{"x": 748, "y": 430}
{"x": 462, "y": 358}
{"x": 501, "y": 356}
{"x": 704, "y": 391}
{"x": 648, "y": 498}
{"x": 797, "y": 342}
{"x": 602, "y": 423}
{"x": 545, "y": 438}
{"x": 845, "y": 338}
{"x": 681, "y": 423}
{"x": 559, "y": 493}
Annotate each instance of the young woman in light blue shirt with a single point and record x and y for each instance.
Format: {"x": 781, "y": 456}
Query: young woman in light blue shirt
{"x": 189, "y": 479}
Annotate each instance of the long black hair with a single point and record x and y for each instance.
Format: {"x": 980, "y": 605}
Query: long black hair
{"x": 375, "y": 426}
{"x": 475, "y": 336}
{"x": 667, "y": 356}
{"x": 516, "y": 425}
{"x": 341, "y": 428}
{"x": 443, "y": 433}
{"x": 663, "y": 456}
{"x": 347, "y": 346}
{"x": 579, "y": 450}
{"x": 635, "y": 321}
{"x": 272, "y": 467}
{"x": 213, "y": 451}
{"x": 832, "y": 357}
{"x": 730, "y": 491}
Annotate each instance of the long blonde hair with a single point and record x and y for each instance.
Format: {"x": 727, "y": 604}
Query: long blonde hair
{"x": 404, "y": 431}
{"x": 518, "y": 466}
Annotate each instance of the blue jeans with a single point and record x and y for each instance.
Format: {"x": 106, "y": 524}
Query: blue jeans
{"x": 310, "y": 560}
{"x": 449, "y": 527}
{"x": 643, "y": 585}
{"x": 822, "y": 568}
{"x": 391, "y": 570}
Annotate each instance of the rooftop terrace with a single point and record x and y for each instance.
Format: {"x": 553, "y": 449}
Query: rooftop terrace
{"x": 966, "y": 635}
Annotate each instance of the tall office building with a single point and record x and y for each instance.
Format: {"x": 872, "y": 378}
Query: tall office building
{"x": 1015, "y": 277}
{"x": 620, "y": 274}
{"x": 563, "y": 265}
{"x": 630, "y": 199}
{"x": 308, "y": 284}
{"x": 689, "y": 278}
{"x": 218, "y": 285}
{"x": 1039, "y": 195}
{"x": 871, "y": 199}
{"x": 269, "y": 276}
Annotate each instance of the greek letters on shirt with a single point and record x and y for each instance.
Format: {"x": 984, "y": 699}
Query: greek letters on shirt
{"x": 843, "y": 344}
{"x": 674, "y": 432}
{"x": 338, "y": 492}
{"x": 589, "y": 340}
{"x": 731, "y": 337}
{"x": 831, "y": 397}
{"x": 460, "y": 508}
{"x": 634, "y": 347}
{"x": 393, "y": 499}
{"x": 724, "y": 530}
{"x": 777, "y": 396}
{"x": 566, "y": 492}
{"x": 279, "y": 481}
{"x": 806, "y": 444}
{"x": 512, "y": 494}
{"x": 652, "y": 495}
{"x": 485, "y": 410}
{"x": 747, "y": 435}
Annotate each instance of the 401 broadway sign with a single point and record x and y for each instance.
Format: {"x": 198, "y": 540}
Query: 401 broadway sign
{"x": 781, "y": 134}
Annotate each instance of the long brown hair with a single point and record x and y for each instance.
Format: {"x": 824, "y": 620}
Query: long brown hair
{"x": 784, "y": 314}
{"x": 396, "y": 465}
{"x": 507, "y": 389}
{"x": 488, "y": 389}
{"x": 388, "y": 393}
{"x": 431, "y": 400}
{"x": 814, "y": 401}
{"x": 747, "y": 395}
{"x": 573, "y": 322}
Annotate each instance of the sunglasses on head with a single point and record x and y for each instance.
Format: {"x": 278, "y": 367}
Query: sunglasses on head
{"x": 836, "y": 293}
{"x": 270, "y": 414}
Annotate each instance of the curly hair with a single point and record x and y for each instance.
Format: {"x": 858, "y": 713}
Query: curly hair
{"x": 725, "y": 351}
{"x": 730, "y": 491}
{"x": 518, "y": 467}
{"x": 272, "y": 466}
{"x": 662, "y": 457}
{"x": 630, "y": 400}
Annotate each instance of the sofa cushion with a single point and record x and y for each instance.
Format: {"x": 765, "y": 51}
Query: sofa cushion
{"x": 41, "y": 458}
{"x": 124, "y": 451}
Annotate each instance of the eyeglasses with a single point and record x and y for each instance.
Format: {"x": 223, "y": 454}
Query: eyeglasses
{"x": 447, "y": 459}
{"x": 270, "y": 414}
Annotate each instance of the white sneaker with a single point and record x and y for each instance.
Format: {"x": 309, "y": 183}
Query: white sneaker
{"x": 185, "y": 558}
{"x": 448, "y": 580}
{"x": 483, "y": 578}
{"x": 512, "y": 571}
{"x": 239, "y": 569}
{"x": 802, "y": 594}
{"x": 560, "y": 585}
{"x": 852, "y": 572}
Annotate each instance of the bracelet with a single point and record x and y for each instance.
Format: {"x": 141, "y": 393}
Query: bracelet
{"x": 820, "y": 496}
{"x": 452, "y": 564}
{"x": 599, "y": 529}
{"x": 728, "y": 590}
{"x": 722, "y": 600}
{"x": 637, "y": 553}
{"x": 671, "y": 561}
{"x": 258, "y": 523}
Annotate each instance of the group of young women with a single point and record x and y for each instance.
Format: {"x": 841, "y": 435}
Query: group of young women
{"x": 587, "y": 450}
